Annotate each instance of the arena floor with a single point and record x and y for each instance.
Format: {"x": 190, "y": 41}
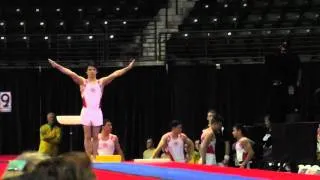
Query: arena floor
{"x": 177, "y": 171}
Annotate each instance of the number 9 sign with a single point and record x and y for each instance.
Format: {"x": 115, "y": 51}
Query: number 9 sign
{"x": 5, "y": 102}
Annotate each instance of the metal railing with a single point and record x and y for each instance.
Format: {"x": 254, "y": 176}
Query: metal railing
{"x": 120, "y": 41}
{"x": 228, "y": 46}
{"x": 140, "y": 40}
{"x": 80, "y": 47}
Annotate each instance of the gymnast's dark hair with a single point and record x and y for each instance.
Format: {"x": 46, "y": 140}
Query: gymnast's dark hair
{"x": 213, "y": 111}
{"x": 91, "y": 64}
{"x": 217, "y": 118}
{"x": 107, "y": 121}
{"x": 175, "y": 123}
{"x": 241, "y": 128}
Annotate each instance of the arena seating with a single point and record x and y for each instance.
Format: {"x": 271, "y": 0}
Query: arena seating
{"x": 245, "y": 30}
{"x": 241, "y": 14}
{"x": 73, "y": 32}
{"x": 75, "y": 19}
{"x": 220, "y": 31}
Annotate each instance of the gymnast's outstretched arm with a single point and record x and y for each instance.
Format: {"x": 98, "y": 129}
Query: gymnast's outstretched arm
{"x": 106, "y": 80}
{"x": 76, "y": 78}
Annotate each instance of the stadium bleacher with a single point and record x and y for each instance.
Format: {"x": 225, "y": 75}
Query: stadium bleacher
{"x": 239, "y": 30}
{"x": 74, "y": 32}
{"x": 249, "y": 29}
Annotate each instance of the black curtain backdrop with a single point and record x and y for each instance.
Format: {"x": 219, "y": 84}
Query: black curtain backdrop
{"x": 142, "y": 103}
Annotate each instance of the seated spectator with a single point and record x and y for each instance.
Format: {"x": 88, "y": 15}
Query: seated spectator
{"x": 196, "y": 154}
{"x": 147, "y": 154}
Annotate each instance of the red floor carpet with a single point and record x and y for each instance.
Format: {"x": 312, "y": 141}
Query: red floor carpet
{"x": 2, "y": 168}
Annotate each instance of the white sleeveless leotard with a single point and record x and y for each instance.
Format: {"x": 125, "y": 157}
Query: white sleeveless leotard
{"x": 210, "y": 154}
{"x": 91, "y": 114}
{"x": 175, "y": 148}
{"x": 106, "y": 146}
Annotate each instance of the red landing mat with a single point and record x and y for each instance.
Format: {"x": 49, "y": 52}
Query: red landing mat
{"x": 105, "y": 174}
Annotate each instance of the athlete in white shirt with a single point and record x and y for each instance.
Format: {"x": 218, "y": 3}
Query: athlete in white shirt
{"x": 109, "y": 143}
{"x": 208, "y": 142}
{"x": 243, "y": 147}
{"x": 173, "y": 144}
